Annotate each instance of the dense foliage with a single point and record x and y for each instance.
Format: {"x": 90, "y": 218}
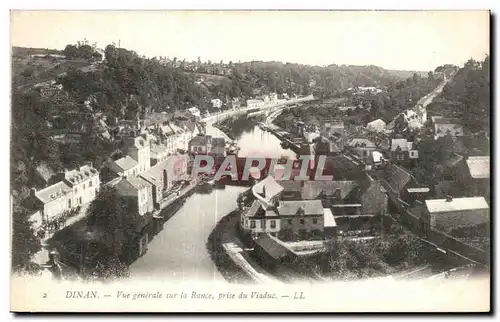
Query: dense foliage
{"x": 470, "y": 88}
{"x": 348, "y": 259}
{"x": 24, "y": 242}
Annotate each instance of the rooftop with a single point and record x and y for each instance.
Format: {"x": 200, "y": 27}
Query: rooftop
{"x": 456, "y": 204}
{"x": 130, "y": 186}
{"x": 271, "y": 246}
{"x": 268, "y": 188}
{"x": 328, "y": 219}
{"x": 53, "y": 192}
{"x": 155, "y": 173}
{"x": 201, "y": 140}
{"x": 78, "y": 175}
{"x": 361, "y": 142}
{"x": 403, "y": 144}
{"x": 300, "y": 207}
{"x": 126, "y": 163}
{"x": 313, "y": 189}
{"x": 479, "y": 167}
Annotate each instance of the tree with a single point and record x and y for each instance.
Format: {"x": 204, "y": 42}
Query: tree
{"x": 71, "y": 51}
{"x": 24, "y": 242}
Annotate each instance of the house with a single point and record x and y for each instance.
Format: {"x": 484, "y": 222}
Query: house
{"x": 157, "y": 176}
{"x": 52, "y": 201}
{"x": 159, "y": 153}
{"x": 122, "y": 167}
{"x": 139, "y": 192}
{"x": 376, "y": 126}
{"x": 85, "y": 184}
{"x": 218, "y": 147}
{"x": 397, "y": 178}
{"x": 447, "y": 126}
{"x": 179, "y": 139}
{"x": 363, "y": 197}
{"x": 194, "y": 111}
{"x": 302, "y": 219}
{"x": 450, "y": 214}
{"x": 139, "y": 148}
{"x": 200, "y": 144}
{"x": 216, "y": 103}
{"x": 235, "y": 103}
{"x": 474, "y": 176}
{"x": 403, "y": 151}
{"x": 270, "y": 252}
{"x": 361, "y": 147}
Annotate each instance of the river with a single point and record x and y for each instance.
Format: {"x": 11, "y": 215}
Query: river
{"x": 178, "y": 252}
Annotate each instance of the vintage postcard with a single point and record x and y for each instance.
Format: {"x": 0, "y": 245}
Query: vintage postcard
{"x": 250, "y": 161}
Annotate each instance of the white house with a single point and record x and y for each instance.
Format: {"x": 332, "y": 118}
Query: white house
{"x": 85, "y": 184}
{"x": 194, "y": 111}
{"x": 216, "y": 103}
{"x": 377, "y": 126}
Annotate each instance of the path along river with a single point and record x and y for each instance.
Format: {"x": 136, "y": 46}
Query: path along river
{"x": 178, "y": 252}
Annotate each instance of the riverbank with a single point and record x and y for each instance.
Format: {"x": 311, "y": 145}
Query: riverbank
{"x": 225, "y": 232}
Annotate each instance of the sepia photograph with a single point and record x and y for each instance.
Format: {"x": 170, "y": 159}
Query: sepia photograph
{"x": 222, "y": 161}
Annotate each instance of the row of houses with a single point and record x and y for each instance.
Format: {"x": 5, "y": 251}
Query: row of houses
{"x": 72, "y": 190}
{"x": 309, "y": 209}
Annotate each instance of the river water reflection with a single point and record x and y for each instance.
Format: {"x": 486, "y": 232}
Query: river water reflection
{"x": 178, "y": 252}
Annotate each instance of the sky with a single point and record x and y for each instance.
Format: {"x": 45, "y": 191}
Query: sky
{"x": 411, "y": 40}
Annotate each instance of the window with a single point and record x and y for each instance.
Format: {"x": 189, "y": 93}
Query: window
{"x": 252, "y": 224}
{"x": 84, "y": 186}
{"x": 69, "y": 203}
{"x": 302, "y": 221}
{"x": 76, "y": 190}
{"x": 315, "y": 221}
{"x": 90, "y": 183}
{"x": 273, "y": 223}
{"x": 80, "y": 200}
{"x": 289, "y": 221}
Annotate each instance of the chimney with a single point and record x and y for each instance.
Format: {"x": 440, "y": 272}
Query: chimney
{"x": 32, "y": 192}
{"x": 338, "y": 195}
{"x": 263, "y": 191}
{"x": 449, "y": 198}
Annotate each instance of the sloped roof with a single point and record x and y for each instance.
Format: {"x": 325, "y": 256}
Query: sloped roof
{"x": 328, "y": 219}
{"x": 158, "y": 148}
{"x": 397, "y": 177}
{"x": 271, "y": 246}
{"x": 201, "y": 140}
{"x": 269, "y": 186}
{"x": 125, "y": 163}
{"x": 479, "y": 167}
{"x": 456, "y": 204}
{"x": 254, "y": 209}
{"x": 131, "y": 185}
{"x": 83, "y": 173}
{"x": 377, "y": 123}
{"x": 53, "y": 192}
{"x": 154, "y": 174}
{"x": 313, "y": 189}
{"x": 401, "y": 143}
{"x": 292, "y": 208}
{"x": 361, "y": 142}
